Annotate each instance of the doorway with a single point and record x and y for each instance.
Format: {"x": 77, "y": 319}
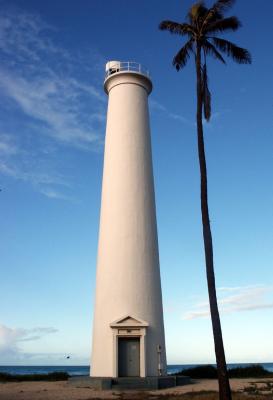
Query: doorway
{"x": 128, "y": 356}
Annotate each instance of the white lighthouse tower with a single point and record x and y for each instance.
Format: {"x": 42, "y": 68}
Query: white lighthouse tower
{"x": 128, "y": 331}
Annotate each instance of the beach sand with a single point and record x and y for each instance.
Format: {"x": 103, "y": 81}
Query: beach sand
{"x": 61, "y": 390}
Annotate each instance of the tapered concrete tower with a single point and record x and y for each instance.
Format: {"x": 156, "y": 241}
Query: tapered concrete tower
{"x": 128, "y": 331}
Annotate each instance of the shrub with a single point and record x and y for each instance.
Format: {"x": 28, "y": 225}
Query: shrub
{"x": 201, "y": 372}
{"x": 52, "y": 376}
{"x": 251, "y": 371}
{"x": 210, "y": 372}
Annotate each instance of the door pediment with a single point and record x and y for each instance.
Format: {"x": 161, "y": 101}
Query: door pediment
{"x": 129, "y": 321}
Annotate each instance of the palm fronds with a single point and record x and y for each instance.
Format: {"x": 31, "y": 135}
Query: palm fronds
{"x": 222, "y": 25}
{"x": 181, "y": 58}
{"x": 239, "y": 54}
{"x": 223, "y": 5}
{"x": 203, "y": 26}
{"x": 175, "y": 27}
{"x": 215, "y": 13}
{"x": 197, "y": 11}
{"x": 211, "y": 50}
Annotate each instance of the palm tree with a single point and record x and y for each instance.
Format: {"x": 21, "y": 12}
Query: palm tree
{"x": 200, "y": 29}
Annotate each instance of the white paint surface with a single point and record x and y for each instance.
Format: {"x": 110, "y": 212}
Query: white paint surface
{"x": 128, "y": 276}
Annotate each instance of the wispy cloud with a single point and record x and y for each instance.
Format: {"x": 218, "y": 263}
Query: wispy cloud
{"x": 25, "y": 39}
{"x": 43, "y": 183}
{"x": 215, "y": 116}
{"x": 156, "y": 106}
{"x": 35, "y": 178}
{"x": 42, "y": 79}
{"x": 181, "y": 119}
{"x": 55, "y": 194}
{"x": 10, "y": 338}
{"x": 56, "y": 103}
{"x": 235, "y": 299}
{"x": 49, "y": 96}
{"x": 7, "y": 147}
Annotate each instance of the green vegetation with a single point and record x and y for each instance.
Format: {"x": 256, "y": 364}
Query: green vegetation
{"x": 52, "y": 376}
{"x": 210, "y": 372}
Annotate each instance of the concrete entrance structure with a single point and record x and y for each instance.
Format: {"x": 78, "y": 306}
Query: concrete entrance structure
{"x": 149, "y": 383}
{"x": 129, "y": 328}
{"x": 128, "y": 331}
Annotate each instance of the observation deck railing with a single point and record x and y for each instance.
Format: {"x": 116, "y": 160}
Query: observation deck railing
{"x": 124, "y": 66}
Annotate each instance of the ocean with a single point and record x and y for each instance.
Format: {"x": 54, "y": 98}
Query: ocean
{"x": 84, "y": 369}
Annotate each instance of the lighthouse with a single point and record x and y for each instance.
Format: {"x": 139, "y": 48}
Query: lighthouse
{"x": 128, "y": 329}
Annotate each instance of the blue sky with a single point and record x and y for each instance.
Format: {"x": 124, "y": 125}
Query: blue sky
{"x": 52, "y": 124}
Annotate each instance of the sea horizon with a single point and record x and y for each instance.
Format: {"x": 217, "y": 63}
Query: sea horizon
{"x": 84, "y": 369}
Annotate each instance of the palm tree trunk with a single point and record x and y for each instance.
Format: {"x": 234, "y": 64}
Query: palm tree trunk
{"x": 224, "y": 388}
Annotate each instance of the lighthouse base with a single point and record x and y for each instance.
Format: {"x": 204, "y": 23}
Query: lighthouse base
{"x": 148, "y": 383}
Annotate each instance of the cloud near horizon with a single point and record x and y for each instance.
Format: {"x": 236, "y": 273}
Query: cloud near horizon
{"x": 10, "y": 339}
{"x": 234, "y": 299}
